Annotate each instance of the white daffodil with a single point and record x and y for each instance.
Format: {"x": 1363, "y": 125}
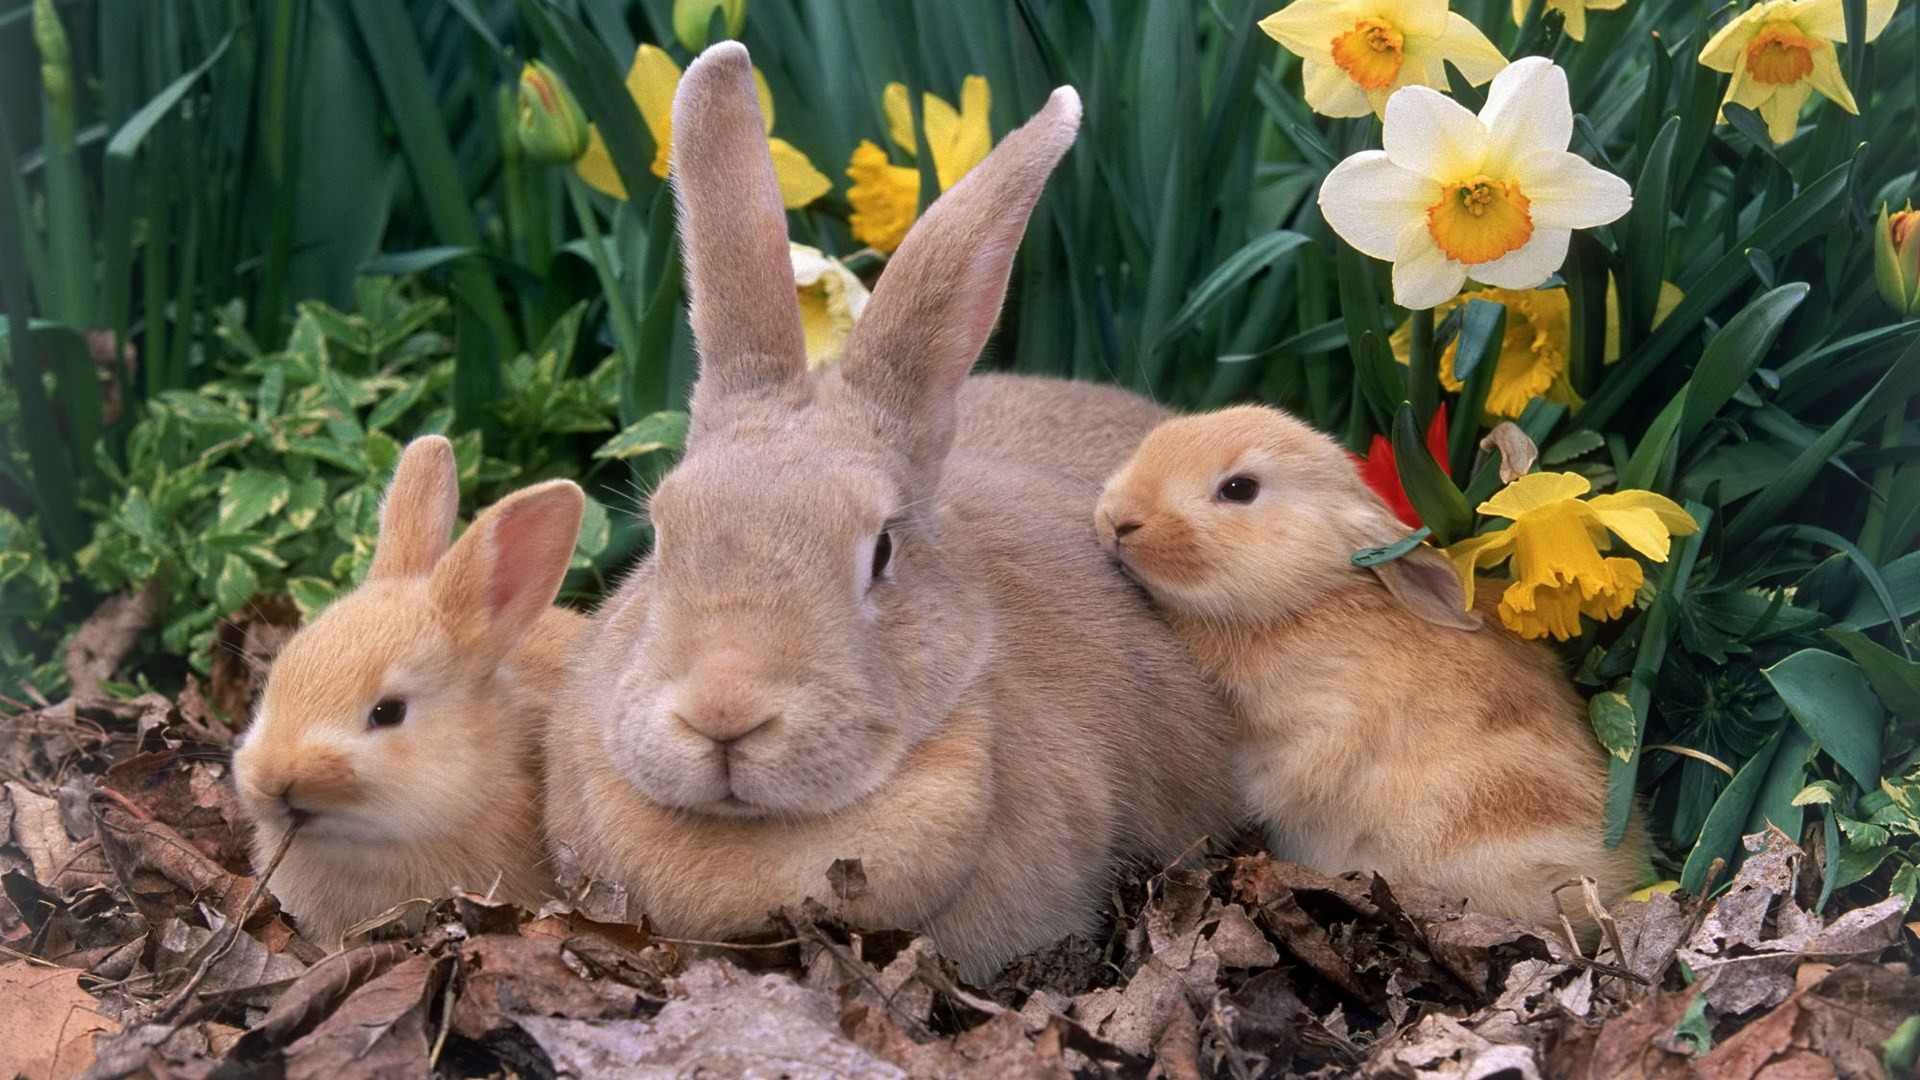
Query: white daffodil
{"x": 1493, "y": 197}
{"x": 1355, "y": 53}
{"x": 1781, "y": 51}
{"x": 831, "y": 298}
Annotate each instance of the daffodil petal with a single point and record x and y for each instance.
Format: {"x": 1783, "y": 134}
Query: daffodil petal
{"x": 1520, "y": 11}
{"x": 971, "y": 136}
{"x": 765, "y": 94}
{"x": 1424, "y": 18}
{"x": 1828, "y": 79}
{"x": 1330, "y": 93}
{"x": 1605, "y": 5}
{"x": 800, "y": 182}
{"x": 596, "y": 167}
{"x": 1368, "y": 200}
{"x": 1429, "y": 134}
{"x": 1470, "y": 50}
{"x": 1672, "y": 515}
{"x": 1724, "y": 49}
{"x": 1565, "y": 191}
{"x": 1528, "y": 266}
{"x": 1533, "y": 491}
{"x": 1576, "y": 16}
{"x": 651, "y": 81}
{"x": 1782, "y": 110}
{"x": 1469, "y": 555}
{"x": 1527, "y": 111}
{"x": 899, "y": 113}
{"x": 1828, "y": 18}
{"x": 1423, "y": 275}
{"x": 1307, "y": 27}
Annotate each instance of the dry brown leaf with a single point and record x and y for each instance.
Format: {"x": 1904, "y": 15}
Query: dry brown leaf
{"x": 379, "y": 1031}
{"x": 60, "y": 861}
{"x": 191, "y": 798}
{"x": 1632, "y": 1046}
{"x": 103, "y": 641}
{"x": 316, "y": 994}
{"x": 161, "y": 871}
{"x": 47, "y": 1022}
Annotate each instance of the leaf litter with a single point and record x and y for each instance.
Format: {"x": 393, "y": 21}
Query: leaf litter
{"x": 136, "y": 940}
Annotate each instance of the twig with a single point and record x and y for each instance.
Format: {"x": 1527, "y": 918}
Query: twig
{"x": 788, "y": 943}
{"x": 855, "y": 967}
{"x": 174, "y": 1004}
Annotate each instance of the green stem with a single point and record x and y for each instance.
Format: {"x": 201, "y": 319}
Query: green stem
{"x": 626, "y": 330}
{"x": 69, "y": 235}
{"x": 1423, "y": 370}
{"x": 1873, "y": 530}
{"x": 1530, "y": 29}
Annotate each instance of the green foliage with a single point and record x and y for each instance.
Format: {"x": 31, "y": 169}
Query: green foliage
{"x": 195, "y": 188}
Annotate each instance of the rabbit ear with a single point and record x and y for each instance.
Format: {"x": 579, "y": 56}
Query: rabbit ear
{"x": 733, "y": 228}
{"x": 417, "y": 514}
{"x": 936, "y": 303}
{"x": 505, "y": 571}
{"x": 1422, "y": 580}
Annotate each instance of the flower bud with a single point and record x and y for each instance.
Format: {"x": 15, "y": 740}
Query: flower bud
{"x": 1896, "y": 260}
{"x": 552, "y": 128}
{"x": 692, "y": 19}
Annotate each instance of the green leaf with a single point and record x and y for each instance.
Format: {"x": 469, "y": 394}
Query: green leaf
{"x": 1720, "y": 835}
{"x": 1835, "y": 704}
{"x": 1894, "y": 678}
{"x": 1733, "y": 354}
{"x": 1818, "y": 793}
{"x": 666, "y": 430}
{"x": 1374, "y": 556}
{"x": 249, "y": 496}
{"x": 1441, "y": 506}
{"x": 1232, "y": 272}
{"x": 235, "y": 584}
{"x": 1695, "y": 1026}
{"x": 310, "y": 595}
{"x": 1612, "y": 717}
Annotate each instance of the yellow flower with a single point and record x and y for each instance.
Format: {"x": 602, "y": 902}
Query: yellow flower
{"x": 1556, "y": 540}
{"x": 1533, "y": 354}
{"x": 652, "y": 80}
{"x": 831, "y": 298}
{"x": 1781, "y": 51}
{"x": 1355, "y": 53}
{"x": 1575, "y": 12}
{"x": 886, "y": 197}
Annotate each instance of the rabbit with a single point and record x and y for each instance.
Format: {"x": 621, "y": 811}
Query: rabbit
{"x": 1084, "y": 430}
{"x": 1383, "y": 726}
{"x": 402, "y": 727}
{"x": 853, "y": 640}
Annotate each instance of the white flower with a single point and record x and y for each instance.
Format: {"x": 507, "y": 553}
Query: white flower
{"x": 1493, "y": 197}
{"x": 831, "y": 298}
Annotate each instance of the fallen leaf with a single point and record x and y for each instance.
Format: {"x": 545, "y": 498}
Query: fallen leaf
{"x": 47, "y": 1022}
{"x": 60, "y": 860}
{"x": 378, "y": 1031}
{"x": 96, "y": 650}
{"x": 314, "y": 996}
{"x": 848, "y": 878}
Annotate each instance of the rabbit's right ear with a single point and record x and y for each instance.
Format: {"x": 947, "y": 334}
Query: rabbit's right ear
{"x": 733, "y": 228}
{"x": 935, "y": 305}
{"x": 507, "y": 568}
{"x": 418, "y": 511}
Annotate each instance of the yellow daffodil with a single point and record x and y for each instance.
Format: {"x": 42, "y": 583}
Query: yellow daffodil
{"x": 1574, "y": 11}
{"x": 1493, "y": 197}
{"x": 1355, "y": 53}
{"x": 1539, "y": 338}
{"x": 1781, "y": 51}
{"x": 885, "y": 196}
{"x": 1556, "y": 539}
{"x": 652, "y": 80}
{"x": 831, "y": 298}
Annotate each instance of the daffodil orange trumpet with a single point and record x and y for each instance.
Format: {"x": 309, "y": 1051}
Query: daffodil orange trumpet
{"x": 1779, "y": 52}
{"x": 1356, "y": 53}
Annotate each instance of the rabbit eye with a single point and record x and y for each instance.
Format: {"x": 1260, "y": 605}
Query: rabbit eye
{"x": 1239, "y": 489}
{"x": 882, "y": 555}
{"x": 387, "y": 713}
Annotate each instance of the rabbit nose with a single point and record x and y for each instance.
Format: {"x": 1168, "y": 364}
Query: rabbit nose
{"x": 1122, "y": 528}
{"x": 724, "y": 725}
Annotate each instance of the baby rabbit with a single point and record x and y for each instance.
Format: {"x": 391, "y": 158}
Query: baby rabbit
{"x": 854, "y": 640}
{"x": 1382, "y": 726}
{"x": 402, "y": 728}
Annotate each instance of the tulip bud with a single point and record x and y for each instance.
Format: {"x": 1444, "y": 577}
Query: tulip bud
{"x": 552, "y": 127}
{"x": 1896, "y": 260}
{"x": 693, "y": 19}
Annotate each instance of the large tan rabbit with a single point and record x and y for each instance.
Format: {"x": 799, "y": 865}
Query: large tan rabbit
{"x": 1084, "y": 430}
{"x": 402, "y": 728}
{"x": 852, "y": 641}
{"x": 1383, "y": 727}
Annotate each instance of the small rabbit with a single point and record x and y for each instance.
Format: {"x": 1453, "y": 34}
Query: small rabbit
{"x": 858, "y": 637}
{"x": 402, "y": 728}
{"x": 1383, "y": 726}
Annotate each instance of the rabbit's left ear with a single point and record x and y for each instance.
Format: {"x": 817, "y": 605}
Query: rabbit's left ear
{"x": 418, "y": 510}
{"x": 1423, "y": 581}
{"x": 506, "y": 570}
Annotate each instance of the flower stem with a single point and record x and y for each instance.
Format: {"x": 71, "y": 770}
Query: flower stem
{"x": 626, "y": 330}
{"x": 1873, "y": 530}
{"x": 1423, "y": 369}
{"x": 1530, "y": 29}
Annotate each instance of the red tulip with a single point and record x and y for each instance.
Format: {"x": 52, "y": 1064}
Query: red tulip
{"x": 1382, "y": 472}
